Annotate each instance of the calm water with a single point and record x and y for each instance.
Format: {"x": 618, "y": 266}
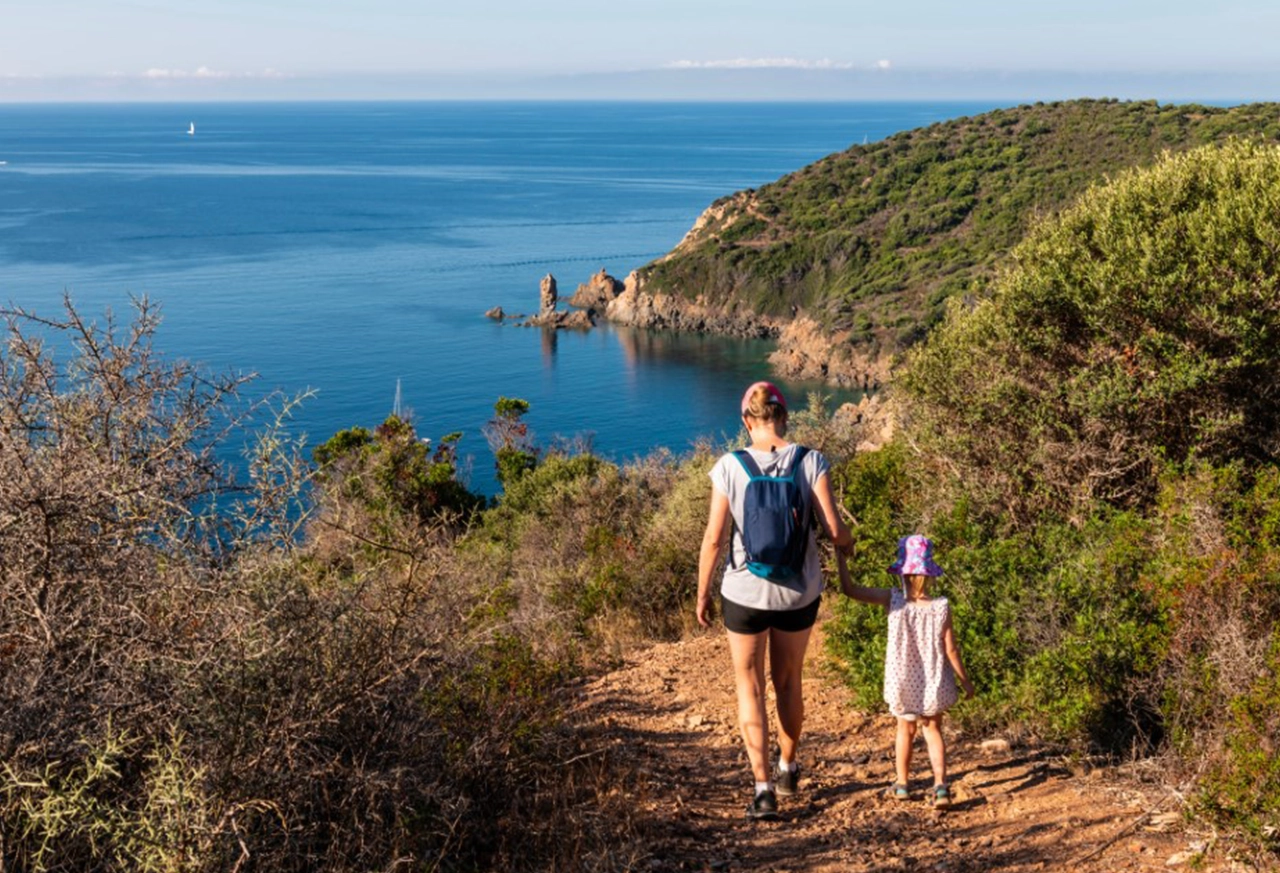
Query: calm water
{"x": 340, "y": 247}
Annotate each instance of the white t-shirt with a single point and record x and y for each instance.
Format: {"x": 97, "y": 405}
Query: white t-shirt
{"x": 740, "y": 585}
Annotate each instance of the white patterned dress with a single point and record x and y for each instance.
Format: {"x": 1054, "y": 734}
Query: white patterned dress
{"x": 918, "y": 678}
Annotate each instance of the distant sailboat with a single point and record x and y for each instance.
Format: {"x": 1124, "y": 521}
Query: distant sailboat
{"x": 191, "y": 131}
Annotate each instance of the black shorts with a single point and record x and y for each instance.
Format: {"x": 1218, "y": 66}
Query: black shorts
{"x": 745, "y": 620}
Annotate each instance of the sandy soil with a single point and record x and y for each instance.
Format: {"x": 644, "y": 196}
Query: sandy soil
{"x": 668, "y": 717}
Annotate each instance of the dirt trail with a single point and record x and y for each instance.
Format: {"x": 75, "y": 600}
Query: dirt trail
{"x": 669, "y": 717}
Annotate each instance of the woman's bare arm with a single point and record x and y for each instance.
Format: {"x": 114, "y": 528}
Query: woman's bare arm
{"x": 830, "y": 519}
{"x": 709, "y": 557}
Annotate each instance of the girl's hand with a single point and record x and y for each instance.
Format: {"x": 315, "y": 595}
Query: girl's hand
{"x": 968, "y": 688}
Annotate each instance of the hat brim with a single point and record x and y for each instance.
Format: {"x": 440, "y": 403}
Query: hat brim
{"x": 928, "y": 569}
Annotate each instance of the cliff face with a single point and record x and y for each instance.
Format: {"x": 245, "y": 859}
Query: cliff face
{"x": 805, "y": 350}
{"x": 638, "y": 308}
{"x": 853, "y": 258}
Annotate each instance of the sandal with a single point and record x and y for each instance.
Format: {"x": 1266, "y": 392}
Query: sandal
{"x": 941, "y": 797}
{"x": 899, "y": 791}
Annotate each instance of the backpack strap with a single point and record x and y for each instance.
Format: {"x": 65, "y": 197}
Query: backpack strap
{"x": 796, "y": 460}
{"x": 806, "y": 495}
{"x": 753, "y": 472}
{"x": 748, "y": 463}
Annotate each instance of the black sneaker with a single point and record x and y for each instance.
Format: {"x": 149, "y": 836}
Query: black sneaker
{"x": 763, "y": 806}
{"x": 786, "y": 782}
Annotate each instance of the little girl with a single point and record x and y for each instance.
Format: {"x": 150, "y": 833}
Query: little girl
{"x": 922, "y": 661}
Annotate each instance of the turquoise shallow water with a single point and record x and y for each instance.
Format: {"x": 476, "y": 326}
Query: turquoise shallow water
{"x": 340, "y": 247}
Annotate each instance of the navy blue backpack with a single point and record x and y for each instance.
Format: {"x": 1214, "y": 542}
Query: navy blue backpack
{"x": 776, "y": 516}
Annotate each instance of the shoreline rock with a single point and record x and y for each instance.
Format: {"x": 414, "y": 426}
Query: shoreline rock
{"x": 597, "y": 292}
{"x": 636, "y": 307}
{"x": 808, "y": 351}
{"x": 582, "y": 319}
{"x": 805, "y": 349}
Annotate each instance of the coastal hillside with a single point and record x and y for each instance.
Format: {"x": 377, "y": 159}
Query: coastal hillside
{"x": 870, "y": 243}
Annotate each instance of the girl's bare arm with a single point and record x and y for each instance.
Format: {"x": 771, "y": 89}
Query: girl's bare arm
{"x": 953, "y": 655}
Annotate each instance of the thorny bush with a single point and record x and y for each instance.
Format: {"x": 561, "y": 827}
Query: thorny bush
{"x": 197, "y": 675}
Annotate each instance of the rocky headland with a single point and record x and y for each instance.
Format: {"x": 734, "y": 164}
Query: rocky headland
{"x": 851, "y": 260}
{"x": 805, "y": 349}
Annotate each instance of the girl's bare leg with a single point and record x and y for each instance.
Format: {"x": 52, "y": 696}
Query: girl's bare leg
{"x": 747, "y": 652}
{"x": 902, "y": 749}
{"x": 932, "y": 728}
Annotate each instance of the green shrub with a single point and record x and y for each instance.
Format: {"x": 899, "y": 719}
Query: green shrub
{"x": 1136, "y": 329}
{"x": 393, "y": 472}
{"x": 1056, "y": 625}
{"x": 513, "y": 449}
{"x": 1242, "y": 788}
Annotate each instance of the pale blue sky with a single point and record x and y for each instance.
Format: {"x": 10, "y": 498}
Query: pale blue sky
{"x": 149, "y": 49}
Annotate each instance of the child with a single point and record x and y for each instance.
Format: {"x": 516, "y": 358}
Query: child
{"x": 922, "y": 661}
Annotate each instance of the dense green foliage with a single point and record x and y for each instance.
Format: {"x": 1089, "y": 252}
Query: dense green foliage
{"x": 1139, "y": 328}
{"x": 391, "y": 472}
{"x": 876, "y": 239}
{"x": 1054, "y": 625}
{"x": 1094, "y": 448}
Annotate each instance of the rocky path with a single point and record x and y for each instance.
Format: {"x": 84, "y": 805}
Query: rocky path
{"x": 668, "y": 717}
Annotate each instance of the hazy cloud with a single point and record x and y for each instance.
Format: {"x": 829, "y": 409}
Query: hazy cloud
{"x": 762, "y": 63}
{"x": 206, "y": 73}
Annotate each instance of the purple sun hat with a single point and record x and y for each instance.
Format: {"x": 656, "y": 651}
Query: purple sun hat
{"x": 915, "y": 557}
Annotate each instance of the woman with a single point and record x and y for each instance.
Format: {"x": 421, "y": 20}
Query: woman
{"x": 759, "y": 614}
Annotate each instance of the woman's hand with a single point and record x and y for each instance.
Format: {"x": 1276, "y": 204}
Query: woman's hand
{"x": 704, "y": 609}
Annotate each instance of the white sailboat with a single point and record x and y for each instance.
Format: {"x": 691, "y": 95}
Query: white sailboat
{"x": 191, "y": 131}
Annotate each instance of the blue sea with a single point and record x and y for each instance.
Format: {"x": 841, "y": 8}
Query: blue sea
{"x": 342, "y": 248}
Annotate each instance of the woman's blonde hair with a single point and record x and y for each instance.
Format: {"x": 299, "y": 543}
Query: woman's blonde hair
{"x": 762, "y": 406}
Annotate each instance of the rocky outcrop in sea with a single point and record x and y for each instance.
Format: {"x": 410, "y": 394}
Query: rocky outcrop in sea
{"x": 597, "y": 292}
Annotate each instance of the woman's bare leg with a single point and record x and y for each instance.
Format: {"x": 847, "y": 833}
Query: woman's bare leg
{"x": 747, "y": 652}
{"x": 786, "y": 663}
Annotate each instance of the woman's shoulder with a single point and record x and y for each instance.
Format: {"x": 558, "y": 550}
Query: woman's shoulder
{"x": 814, "y": 461}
